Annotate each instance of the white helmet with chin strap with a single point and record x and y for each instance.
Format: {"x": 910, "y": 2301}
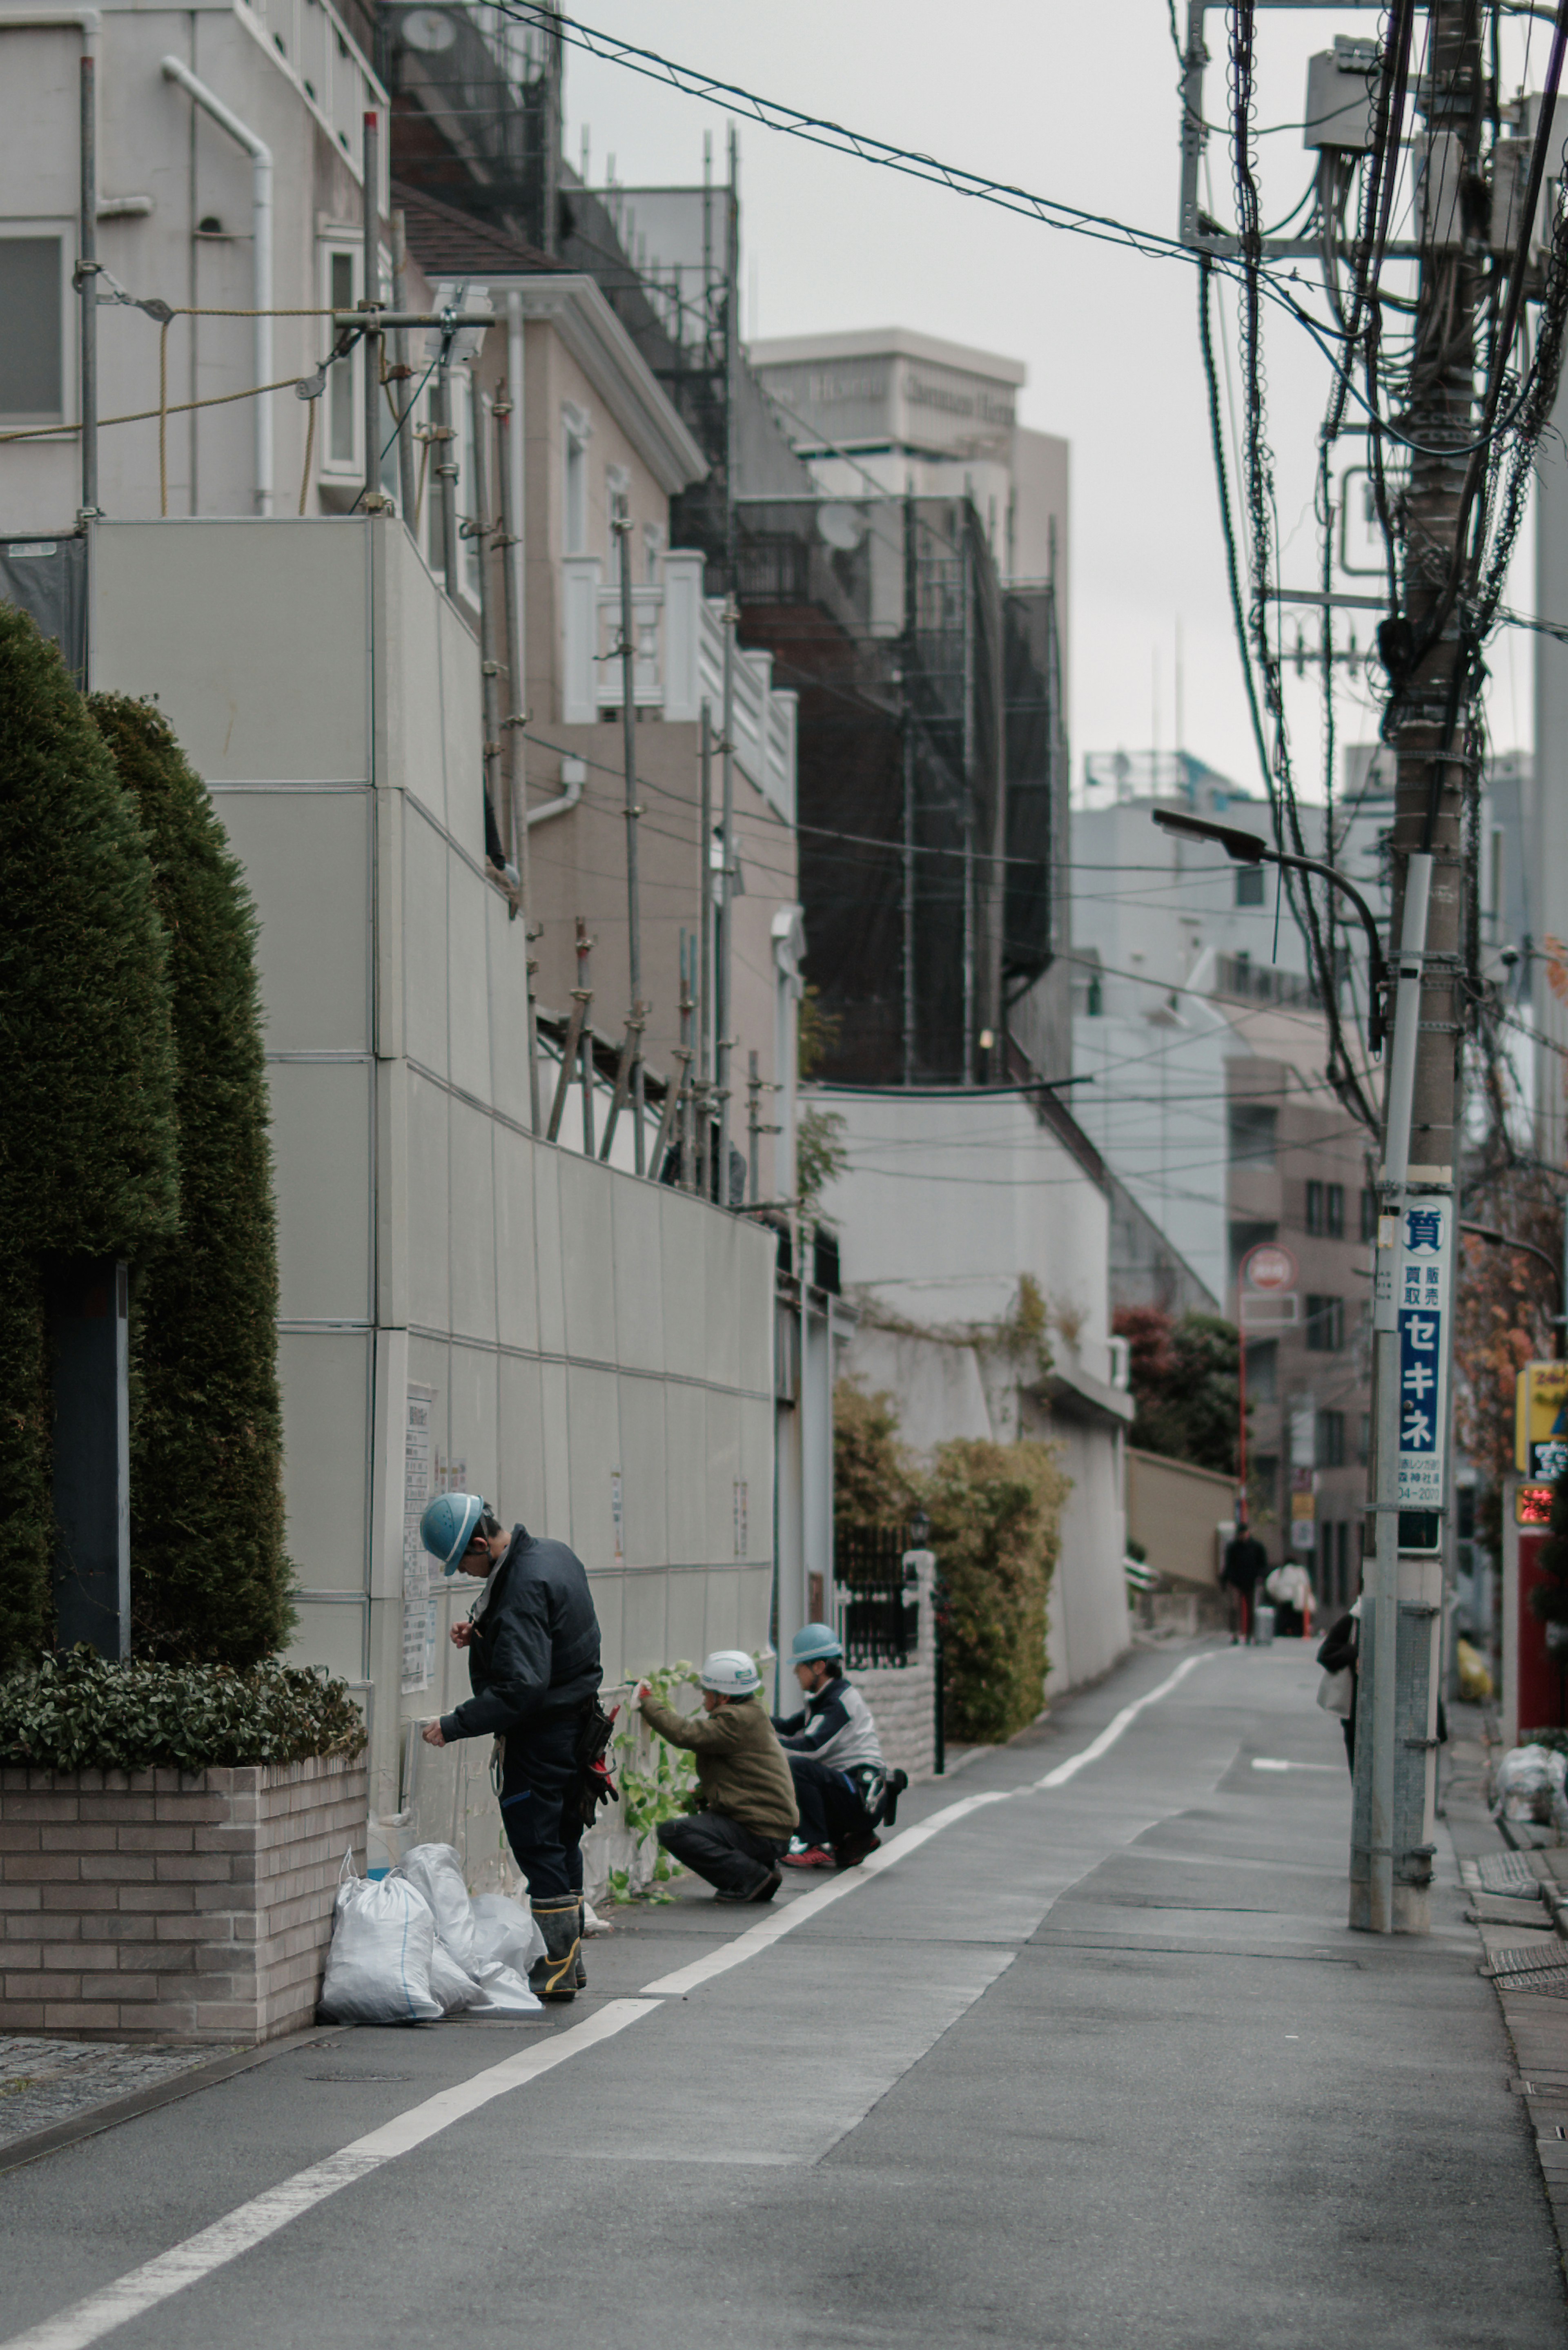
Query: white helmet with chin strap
{"x": 730, "y": 1672}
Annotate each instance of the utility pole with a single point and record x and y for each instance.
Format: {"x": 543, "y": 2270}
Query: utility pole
{"x": 1433, "y": 737}
{"x": 622, "y": 527}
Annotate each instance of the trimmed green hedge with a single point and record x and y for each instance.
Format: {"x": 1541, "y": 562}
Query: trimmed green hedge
{"x": 80, "y": 1712}
{"x": 88, "y": 1149}
{"x": 995, "y": 1512}
{"x": 210, "y": 1578}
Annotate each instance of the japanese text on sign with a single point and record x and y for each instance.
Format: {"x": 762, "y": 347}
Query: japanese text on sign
{"x": 1423, "y": 1300}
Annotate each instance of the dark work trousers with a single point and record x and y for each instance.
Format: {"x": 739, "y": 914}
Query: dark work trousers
{"x": 538, "y": 1808}
{"x": 829, "y": 1800}
{"x": 733, "y": 1859}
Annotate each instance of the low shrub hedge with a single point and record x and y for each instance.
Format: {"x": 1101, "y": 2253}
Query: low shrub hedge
{"x": 81, "y": 1712}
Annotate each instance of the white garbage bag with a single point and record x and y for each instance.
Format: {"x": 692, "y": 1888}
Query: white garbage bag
{"x": 449, "y": 1983}
{"x": 378, "y": 1968}
{"x": 504, "y": 1934}
{"x": 1528, "y": 1787}
{"x": 505, "y": 1992}
{"x": 436, "y": 1870}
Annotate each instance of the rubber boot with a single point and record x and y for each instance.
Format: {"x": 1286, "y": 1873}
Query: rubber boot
{"x": 582, "y": 1938}
{"x": 555, "y": 1976}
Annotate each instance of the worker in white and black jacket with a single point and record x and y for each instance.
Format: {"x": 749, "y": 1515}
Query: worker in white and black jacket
{"x": 841, "y": 1784}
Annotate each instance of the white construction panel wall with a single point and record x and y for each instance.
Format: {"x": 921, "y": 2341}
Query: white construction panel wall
{"x": 599, "y": 1347}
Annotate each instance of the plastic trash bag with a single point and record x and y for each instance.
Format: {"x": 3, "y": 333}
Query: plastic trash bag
{"x": 504, "y": 1934}
{"x": 1528, "y": 1787}
{"x": 378, "y": 1968}
{"x": 505, "y": 1992}
{"x": 449, "y": 1983}
{"x": 437, "y": 1872}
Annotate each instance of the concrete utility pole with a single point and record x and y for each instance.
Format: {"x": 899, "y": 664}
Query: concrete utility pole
{"x": 621, "y": 525}
{"x": 1434, "y": 738}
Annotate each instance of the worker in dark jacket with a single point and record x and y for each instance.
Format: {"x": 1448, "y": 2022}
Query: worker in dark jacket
{"x": 532, "y": 1643}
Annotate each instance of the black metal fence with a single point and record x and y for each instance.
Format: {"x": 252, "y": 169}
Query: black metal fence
{"x": 878, "y": 1614}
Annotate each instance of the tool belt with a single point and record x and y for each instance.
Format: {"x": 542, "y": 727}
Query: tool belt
{"x": 595, "y": 1784}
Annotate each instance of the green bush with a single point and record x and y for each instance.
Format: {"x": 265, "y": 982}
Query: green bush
{"x": 995, "y": 1512}
{"x": 210, "y": 1579}
{"x": 88, "y": 1164}
{"x": 873, "y": 1478}
{"x": 81, "y": 1712}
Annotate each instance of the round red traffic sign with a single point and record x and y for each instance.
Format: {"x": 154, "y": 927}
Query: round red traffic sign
{"x": 1269, "y": 1267}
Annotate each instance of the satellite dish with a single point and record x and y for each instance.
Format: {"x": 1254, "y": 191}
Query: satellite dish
{"x": 429, "y": 29}
{"x": 842, "y": 527}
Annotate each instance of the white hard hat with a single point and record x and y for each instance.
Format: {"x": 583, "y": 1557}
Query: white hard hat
{"x": 731, "y": 1672}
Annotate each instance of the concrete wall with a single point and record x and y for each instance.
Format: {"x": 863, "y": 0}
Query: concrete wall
{"x": 598, "y": 1349}
{"x": 1173, "y": 1510}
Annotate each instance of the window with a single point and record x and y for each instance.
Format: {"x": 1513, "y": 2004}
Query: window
{"x": 575, "y": 482}
{"x": 1262, "y": 1370}
{"x": 1097, "y": 998}
{"x": 1314, "y": 1222}
{"x": 33, "y": 347}
{"x": 1253, "y": 1130}
{"x": 1262, "y": 1476}
{"x": 1249, "y": 885}
{"x": 1368, "y": 1213}
{"x": 1324, "y": 1324}
{"x": 340, "y": 425}
{"x": 1334, "y": 1204}
{"x": 1331, "y": 1440}
{"x": 1364, "y": 1440}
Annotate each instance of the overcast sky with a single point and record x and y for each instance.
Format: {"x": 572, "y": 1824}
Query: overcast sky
{"x": 1076, "y": 102}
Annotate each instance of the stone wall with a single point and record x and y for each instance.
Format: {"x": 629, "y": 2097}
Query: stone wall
{"x": 194, "y": 1907}
{"x": 902, "y": 1699}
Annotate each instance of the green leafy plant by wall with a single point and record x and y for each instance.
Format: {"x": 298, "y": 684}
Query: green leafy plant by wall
{"x": 88, "y": 1146}
{"x": 210, "y": 1579}
{"x": 80, "y": 1712}
{"x": 873, "y": 1477}
{"x": 995, "y": 1512}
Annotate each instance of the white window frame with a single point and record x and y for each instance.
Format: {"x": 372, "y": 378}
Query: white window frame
{"x": 337, "y": 244}
{"x": 577, "y": 432}
{"x": 68, "y": 412}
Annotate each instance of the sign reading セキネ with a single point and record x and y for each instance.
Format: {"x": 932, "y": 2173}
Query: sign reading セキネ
{"x": 1541, "y": 1419}
{"x": 1423, "y": 1303}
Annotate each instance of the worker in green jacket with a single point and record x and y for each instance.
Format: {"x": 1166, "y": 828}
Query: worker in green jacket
{"x": 747, "y": 1812}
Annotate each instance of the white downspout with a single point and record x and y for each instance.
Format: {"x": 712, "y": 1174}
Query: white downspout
{"x": 574, "y": 775}
{"x": 515, "y": 553}
{"x": 260, "y": 154}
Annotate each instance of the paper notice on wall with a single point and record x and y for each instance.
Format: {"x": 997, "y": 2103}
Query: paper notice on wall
{"x": 419, "y": 1607}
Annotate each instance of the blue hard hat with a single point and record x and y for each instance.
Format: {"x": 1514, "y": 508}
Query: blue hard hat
{"x": 814, "y": 1641}
{"x": 448, "y": 1525}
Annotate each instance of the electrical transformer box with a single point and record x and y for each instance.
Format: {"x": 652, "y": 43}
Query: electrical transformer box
{"x": 1341, "y": 96}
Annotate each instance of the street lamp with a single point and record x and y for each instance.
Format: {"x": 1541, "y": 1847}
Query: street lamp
{"x": 1246, "y": 848}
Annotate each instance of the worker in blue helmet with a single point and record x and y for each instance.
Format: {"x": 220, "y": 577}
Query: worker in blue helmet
{"x": 842, "y": 1785}
{"x": 532, "y": 1638}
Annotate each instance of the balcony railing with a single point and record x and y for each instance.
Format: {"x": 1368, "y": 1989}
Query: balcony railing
{"x": 679, "y": 664}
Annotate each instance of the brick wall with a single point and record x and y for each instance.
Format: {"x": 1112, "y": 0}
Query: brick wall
{"x": 188, "y": 1906}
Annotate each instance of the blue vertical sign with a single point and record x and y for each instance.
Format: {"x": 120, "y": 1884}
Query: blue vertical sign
{"x": 1425, "y": 1255}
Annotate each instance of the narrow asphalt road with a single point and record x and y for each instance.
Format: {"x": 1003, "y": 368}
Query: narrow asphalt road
{"x": 1094, "y": 2062}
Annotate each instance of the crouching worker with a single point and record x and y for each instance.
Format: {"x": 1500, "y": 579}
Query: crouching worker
{"x": 843, "y": 1790}
{"x": 533, "y": 1644}
{"x": 746, "y": 1812}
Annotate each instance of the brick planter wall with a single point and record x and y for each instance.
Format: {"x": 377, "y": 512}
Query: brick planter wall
{"x": 194, "y": 1907}
{"x": 902, "y": 1699}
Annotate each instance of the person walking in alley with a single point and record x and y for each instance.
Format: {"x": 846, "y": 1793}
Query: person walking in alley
{"x": 841, "y": 1783}
{"x": 1246, "y": 1563}
{"x": 747, "y": 1810}
{"x": 532, "y": 1643}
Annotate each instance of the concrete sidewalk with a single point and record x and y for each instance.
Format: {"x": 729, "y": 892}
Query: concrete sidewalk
{"x": 1094, "y": 2063}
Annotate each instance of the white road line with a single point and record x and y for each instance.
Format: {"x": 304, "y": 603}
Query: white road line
{"x": 1121, "y": 1722}
{"x": 141, "y": 2289}
{"x": 1271, "y": 1762}
{"x": 773, "y": 1927}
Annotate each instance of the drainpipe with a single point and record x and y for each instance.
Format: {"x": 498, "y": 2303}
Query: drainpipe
{"x": 574, "y": 775}
{"x": 87, "y": 22}
{"x": 260, "y": 154}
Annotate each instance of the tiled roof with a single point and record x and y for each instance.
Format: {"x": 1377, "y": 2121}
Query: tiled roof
{"x": 447, "y": 243}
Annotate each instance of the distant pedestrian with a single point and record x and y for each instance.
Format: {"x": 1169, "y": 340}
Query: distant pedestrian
{"x": 1246, "y": 1563}
{"x": 746, "y": 1812}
